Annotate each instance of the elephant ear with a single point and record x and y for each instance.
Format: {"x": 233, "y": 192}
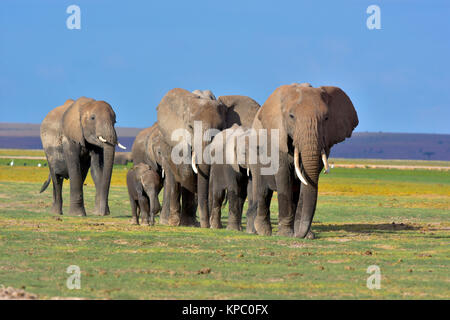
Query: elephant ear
{"x": 71, "y": 121}
{"x": 342, "y": 117}
{"x": 270, "y": 116}
{"x": 150, "y": 152}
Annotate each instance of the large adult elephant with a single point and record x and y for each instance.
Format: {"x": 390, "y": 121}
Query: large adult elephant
{"x": 230, "y": 177}
{"x": 77, "y": 136}
{"x": 181, "y": 109}
{"x": 309, "y": 122}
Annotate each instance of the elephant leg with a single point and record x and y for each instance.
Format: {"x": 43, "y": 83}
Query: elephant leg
{"x": 134, "y": 215}
{"x": 285, "y": 204}
{"x": 155, "y": 207}
{"x": 97, "y": 173}
{"x": 202, "y": 192}
{"x": 57, "y": 182}
{"x": 188, "y": 209}
{"x": 165, "y": 211}
{"x": 144, "y": 205}
{"x": 262, "y": 220}
{"x": 236, "y": 199}
{"x": 251, "y": 210}
{"x": 175, "y": 209}
{"x": 218, "y": 196}
{"x": 76, "y": 184}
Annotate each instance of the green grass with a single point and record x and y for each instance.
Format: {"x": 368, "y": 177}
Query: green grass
{"x": 396, "y": 219}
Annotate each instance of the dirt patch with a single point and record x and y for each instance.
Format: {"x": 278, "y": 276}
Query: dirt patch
{"x": 11, "y": 293}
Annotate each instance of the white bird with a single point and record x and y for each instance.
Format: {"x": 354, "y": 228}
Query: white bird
{"x": 12, "y": 163}
{"x": 39, "y": 165}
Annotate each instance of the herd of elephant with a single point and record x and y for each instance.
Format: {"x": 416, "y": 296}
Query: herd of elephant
{"x": 308, "y": 121}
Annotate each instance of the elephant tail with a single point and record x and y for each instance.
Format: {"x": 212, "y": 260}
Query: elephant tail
{"x": 46, "y": 183}
{"x": 226, "y": 198}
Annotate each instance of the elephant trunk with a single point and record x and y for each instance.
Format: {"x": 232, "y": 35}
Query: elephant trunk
{"x": 311, "y": 160}
{"x": 108, "y": 160}
{"x": 203, "y": 192}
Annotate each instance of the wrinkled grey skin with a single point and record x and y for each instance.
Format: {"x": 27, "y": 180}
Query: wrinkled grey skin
{"x": 144, "y": 185}
{"x": 241, "y": 110}
{"x": 179, "y": 109}
{"x": 309, "y": 121}
{"x": 70, "y": 137}
{"x": 231, "y": 179}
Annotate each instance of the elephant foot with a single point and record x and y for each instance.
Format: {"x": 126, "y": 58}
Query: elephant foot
{"x": 135, "y": 222}
{"x": 262, "y": 226}
{"x": 190, "y": 222}
{"x": 56, "y": 210}
{"x": 234, "y": 226}
{"x": 309, "y": 235}
{"x": 174, "y": 218}
{"x": 285, "y": 231}
{"x": 250, "y": 229}
{"x": 174, "y": 221}
{"x": 216, "y": 224}
{"x": 163, "y": 221}
{"x": 97, "y": 212}
{"x": 80, "y": 212}
{"x": 204, "y": 224}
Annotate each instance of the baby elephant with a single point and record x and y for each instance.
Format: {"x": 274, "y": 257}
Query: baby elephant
{"x": 144, "y": 185}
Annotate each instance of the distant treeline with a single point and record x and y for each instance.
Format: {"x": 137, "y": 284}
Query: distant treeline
{"x": 362, "y": 145}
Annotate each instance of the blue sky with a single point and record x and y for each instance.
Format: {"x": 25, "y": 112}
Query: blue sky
{"x": 130, "y": 53}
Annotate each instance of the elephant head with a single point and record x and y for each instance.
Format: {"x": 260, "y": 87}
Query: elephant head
{"x": 181, "y": 109}
{"x": 90, "y": 124}
{"x": 310, "y": 120}
{"x": 231, "y": 146}
{"x": 156, "y": 150}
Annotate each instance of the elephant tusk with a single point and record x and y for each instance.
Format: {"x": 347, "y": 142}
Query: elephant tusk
{"x": 194, "y": 166}
{"x": 162, "y": 173}
{"x": 297, "y": 167}
{"x": 101, "y": 139}
{"x": 325, "y": 162}
{"x": 248, "y": 172}
{"x": 121, "y": 146}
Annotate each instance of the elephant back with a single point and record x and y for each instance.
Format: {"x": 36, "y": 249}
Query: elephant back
{"x": 179, "y": 109}
{"x": 241, "y": 110}
{"x": 51, "y": 126}
{"x": 138, "y": 148}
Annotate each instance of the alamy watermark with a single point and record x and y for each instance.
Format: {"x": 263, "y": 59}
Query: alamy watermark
{"x": 74, "y": 20}
{"x": 374, "y": 20}
{"x": 374, "y": 280}
{"x": 250, "y": 147}
{"x": 74, "y": 280}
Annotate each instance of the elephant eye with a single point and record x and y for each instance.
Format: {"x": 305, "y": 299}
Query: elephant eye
{"x": 291, "y": 115}
{"x": 93, "y": 117}
{"x": 326, "y": 118}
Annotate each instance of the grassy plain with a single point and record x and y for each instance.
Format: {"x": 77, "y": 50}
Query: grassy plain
{"x": 396, "y": 219}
